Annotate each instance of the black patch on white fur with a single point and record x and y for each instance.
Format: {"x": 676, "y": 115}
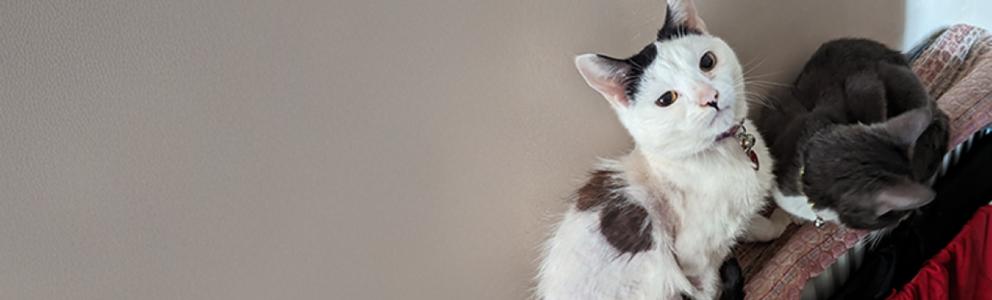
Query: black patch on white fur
{"x": 636, "y": 64}
{"x": 625, "y": 225}
{"x": 602, "y": 188}
{"x": 635, "y": 68}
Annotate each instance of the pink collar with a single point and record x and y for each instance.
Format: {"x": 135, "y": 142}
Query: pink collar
{"x": 729, "y": 133}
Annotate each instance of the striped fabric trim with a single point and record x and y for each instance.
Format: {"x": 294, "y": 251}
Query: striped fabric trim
{"x": 951, "y": 158}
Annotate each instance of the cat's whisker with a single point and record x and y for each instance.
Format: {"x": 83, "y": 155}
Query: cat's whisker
{"x": 763, "y": 86}
{"x": 749, "y": 86}
{"x": 761, "y": 77}
{"x": 763, "y": 100}
{"x": 760, "y": 88}
{"x": 758, "y": 99}
{"x": 749, "y": 62}
{"x": 769, "y": 83}
{"x": 749, "y": 69}
{"x": 873, "y": 238}
{"x": 749, "y": 65}
{"x": 768, "y": 74}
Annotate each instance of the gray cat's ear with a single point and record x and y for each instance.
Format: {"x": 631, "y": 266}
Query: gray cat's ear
{"x": 683, "y": 13}
{"x": 903, "y": 196}
{"x": 908, "y": 126}
{"x": 605, "y": 75}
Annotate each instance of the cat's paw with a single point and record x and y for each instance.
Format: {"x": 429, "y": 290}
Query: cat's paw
{"x": 783, "y": 218}
{"x": 764, "y": 229}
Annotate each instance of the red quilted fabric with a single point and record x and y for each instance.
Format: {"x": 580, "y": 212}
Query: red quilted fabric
{"x": 962, "y": 270}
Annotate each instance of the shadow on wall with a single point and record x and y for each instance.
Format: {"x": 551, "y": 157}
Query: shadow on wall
{"x": 774, "y": 38}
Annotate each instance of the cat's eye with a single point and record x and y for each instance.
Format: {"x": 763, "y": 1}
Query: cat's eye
{"x": 707, "y": 62}
{"x": 667, "y": 99}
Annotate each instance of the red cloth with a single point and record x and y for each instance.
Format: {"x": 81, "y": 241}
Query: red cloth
{"x": 962, "y": 270}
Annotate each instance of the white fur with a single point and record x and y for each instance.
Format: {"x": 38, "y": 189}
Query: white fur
{"x": 580, "y": 264}
{"x": 798, "y": 207}
{"x": 710, "y": 187}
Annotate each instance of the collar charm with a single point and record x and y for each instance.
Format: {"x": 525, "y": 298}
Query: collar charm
{"x": 747, "y": 141}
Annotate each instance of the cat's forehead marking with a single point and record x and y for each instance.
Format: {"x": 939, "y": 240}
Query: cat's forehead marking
{"x": 663, "y": 56}
{"x": 639, "y": 61}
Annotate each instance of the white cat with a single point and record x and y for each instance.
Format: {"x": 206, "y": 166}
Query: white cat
{"x": 658, "y": 222}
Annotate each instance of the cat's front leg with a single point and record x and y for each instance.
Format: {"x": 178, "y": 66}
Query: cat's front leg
{"x": 763, "y": 229}
{"x": 707, "y": 283}
{"x": 703, "y": 273}
{"x": 796, "y": 206}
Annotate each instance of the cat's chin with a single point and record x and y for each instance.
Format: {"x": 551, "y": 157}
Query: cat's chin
{"x": 723, "y": 121}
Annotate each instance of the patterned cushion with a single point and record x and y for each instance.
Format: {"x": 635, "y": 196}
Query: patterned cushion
{"x": 956, "y": 68}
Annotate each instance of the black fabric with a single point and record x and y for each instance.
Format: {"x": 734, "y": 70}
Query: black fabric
{"x": 898, "y": 256}
{"x": 870, "y": 280}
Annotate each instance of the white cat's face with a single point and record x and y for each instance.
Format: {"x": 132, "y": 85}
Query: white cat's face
{"x": 677, "y": 104}
{"x": 709, "y": 100}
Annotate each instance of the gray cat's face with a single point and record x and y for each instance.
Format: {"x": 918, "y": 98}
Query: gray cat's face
{"x": 864, "y": 173}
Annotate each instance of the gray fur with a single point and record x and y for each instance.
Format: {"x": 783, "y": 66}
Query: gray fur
{"x": 863, "y": 128}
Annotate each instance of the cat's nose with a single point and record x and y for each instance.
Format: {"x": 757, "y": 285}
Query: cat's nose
{"x": 709, "y": 96}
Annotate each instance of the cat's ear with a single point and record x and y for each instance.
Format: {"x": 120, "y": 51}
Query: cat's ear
{"x": 903, "y": 196}
{"x": 908, "y": 126}
{"x": 605, "y": 75}
{"x": 682, "y": 13}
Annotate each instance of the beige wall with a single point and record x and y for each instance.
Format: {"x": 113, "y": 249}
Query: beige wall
{"x": 319, "y": 149}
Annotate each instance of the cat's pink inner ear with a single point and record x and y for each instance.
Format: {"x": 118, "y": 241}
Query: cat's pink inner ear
{"x": 909, "y": 125}
{"x": 904, "y": 196}
{"x": 605, "y": 76}
{"x": 684, "y": 12}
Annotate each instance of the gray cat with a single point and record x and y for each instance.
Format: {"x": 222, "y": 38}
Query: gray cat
{"x": 855, "y": 139}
